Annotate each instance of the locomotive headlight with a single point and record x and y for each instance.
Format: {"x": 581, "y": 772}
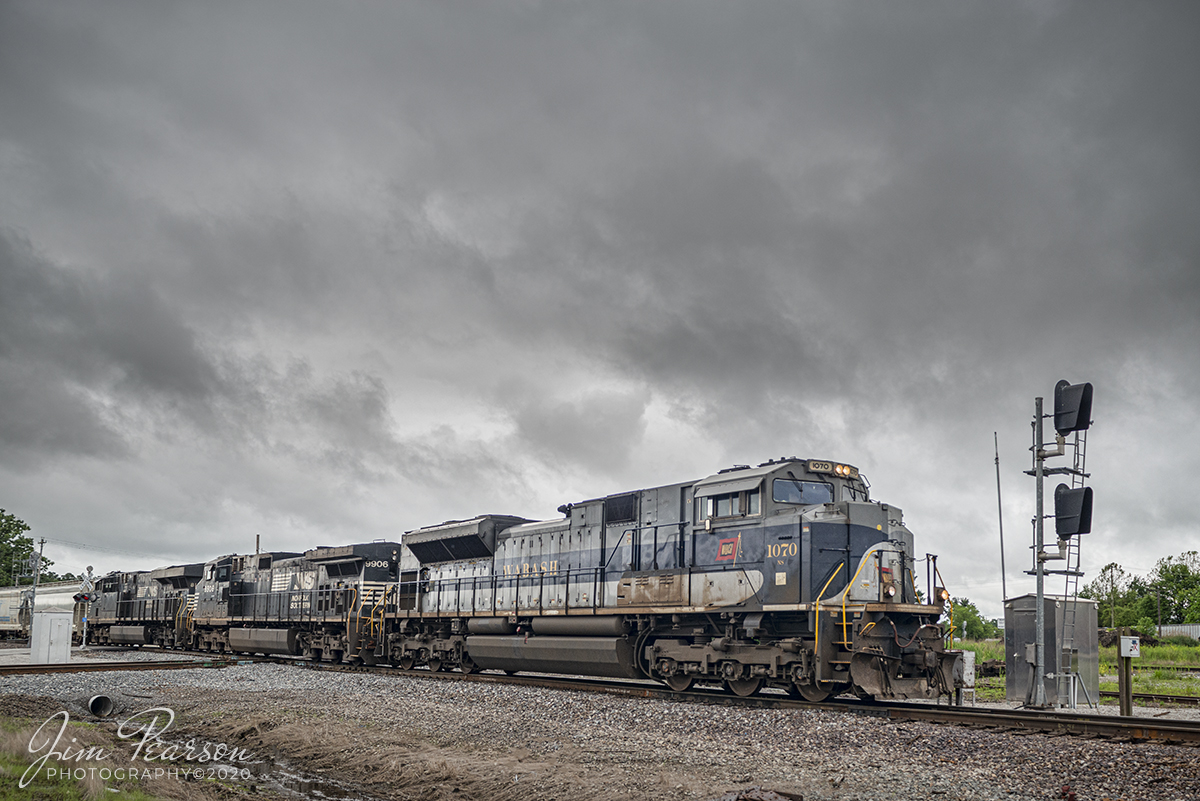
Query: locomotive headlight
{"x": 942, "y": 594}
{"x": 843, "y": 470}
{"x": 890, "y": 590}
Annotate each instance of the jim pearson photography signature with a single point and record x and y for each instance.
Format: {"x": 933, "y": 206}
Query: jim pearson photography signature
{"x": 150, "y": 756}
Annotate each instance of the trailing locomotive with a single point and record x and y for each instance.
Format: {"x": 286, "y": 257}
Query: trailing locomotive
{"x": 786, "y": 574}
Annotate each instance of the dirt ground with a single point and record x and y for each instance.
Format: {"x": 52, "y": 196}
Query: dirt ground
{"x": 344, "y": 755}
{"x": 303, "y": 755}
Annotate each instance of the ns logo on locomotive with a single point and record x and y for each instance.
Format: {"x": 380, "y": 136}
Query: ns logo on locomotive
{"x": 786, "y": 574}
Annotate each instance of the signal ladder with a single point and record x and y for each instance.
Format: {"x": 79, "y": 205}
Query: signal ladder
{"x": 1068, "y": 678}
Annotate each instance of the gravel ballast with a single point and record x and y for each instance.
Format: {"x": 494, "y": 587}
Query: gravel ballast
{"x": 456, "y": 739}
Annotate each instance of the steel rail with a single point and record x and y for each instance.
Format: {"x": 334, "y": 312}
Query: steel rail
{"x": 98, "y": 667}
{"x": 1157, "y": 698}
{"x": 1020, "y": 720}
{"x": 1025, "y": 721}
{"x": 1176, "y": 732}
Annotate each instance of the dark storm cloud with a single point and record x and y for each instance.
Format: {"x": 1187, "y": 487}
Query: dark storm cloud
{"x": 68, "y": 335}
{"x": 597, "y": 431}
{"x": 268, "y": 249}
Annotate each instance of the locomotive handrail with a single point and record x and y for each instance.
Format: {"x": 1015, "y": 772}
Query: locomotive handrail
{"x": 615, "y": 547}
{"x": 682, "y": 547}
{"x": 495, "y": 583}
{"x": 350, "y": 605}
{"x": 817, "y": 622}
{"x": 850, "y": 584}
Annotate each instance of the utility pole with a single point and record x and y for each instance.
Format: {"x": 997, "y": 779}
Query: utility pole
{"x": 1000, "y": 511}
{"x": 1038, "y": 691}
{"x": 37, "y": 573}
{"x": 86, "y": 586}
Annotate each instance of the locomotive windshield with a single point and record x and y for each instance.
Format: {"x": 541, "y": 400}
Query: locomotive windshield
{"x": 805, "y": 493}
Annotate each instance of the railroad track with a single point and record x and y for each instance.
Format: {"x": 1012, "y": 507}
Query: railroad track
{"x": 1157, "y": 698}
{"x": 1017, "y": 721}
{"x": 99, "y": 667}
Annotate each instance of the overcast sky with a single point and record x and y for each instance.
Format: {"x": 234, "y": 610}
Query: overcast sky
{"x": 328, "y": 272}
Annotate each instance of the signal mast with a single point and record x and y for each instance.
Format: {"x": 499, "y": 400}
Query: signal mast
{"x": 1072, "y": 508}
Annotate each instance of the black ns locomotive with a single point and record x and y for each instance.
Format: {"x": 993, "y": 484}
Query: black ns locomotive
{"x": 786, "y": 574}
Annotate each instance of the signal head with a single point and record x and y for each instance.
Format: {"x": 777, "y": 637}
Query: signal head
{"x": 1072, "y": 407}
{"x": 1072, "y": 511}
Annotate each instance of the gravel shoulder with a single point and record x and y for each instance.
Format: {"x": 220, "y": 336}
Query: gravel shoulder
{"x": 377, "y": 737}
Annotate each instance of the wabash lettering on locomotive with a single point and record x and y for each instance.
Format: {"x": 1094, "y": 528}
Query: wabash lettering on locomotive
{"x": 786, "y": 574}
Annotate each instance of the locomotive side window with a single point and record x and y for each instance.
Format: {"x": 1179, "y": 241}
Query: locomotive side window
{"x": 223, "y": 573}
{"x": 731, "y": 504}
{"x": 805, "y": 493}
{"x": 727, "y": 505}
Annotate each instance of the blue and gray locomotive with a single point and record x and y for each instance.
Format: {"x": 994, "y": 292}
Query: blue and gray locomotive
{"x": 786, "y": 574}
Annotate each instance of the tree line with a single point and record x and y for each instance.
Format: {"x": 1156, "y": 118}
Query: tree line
{"x": 15, "y": 552}
{"x": 1170, "y": 594}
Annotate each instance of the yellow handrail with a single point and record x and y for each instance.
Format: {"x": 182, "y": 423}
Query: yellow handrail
{"x": 817, "y": 619}
{"x": 861, "y": 562}
{"x": 349, "y": 610}
{"x": 380, "y": 603}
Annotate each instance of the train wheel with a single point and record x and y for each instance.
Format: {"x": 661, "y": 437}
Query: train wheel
{"x": 435, "y": 666}
{"x": 405, "y": 663}
{"x": 680, "y": 682}
{"x": 743, "y": 687}
{"x": 467, "y": 666}
{"x": 809, "y": 692}
{"x": 335, "y": 656}
{"x": 510, "y": 673}
{"x": 315, "y": 654}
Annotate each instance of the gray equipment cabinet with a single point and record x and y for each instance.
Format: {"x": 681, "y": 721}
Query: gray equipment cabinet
{"x": 50, "y": 640}
{"x": 1071, "y": 647}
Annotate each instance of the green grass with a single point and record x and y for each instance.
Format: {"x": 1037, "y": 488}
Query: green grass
{"x": 984, "y": 649}
{"x": 1152, "y": 684}
{"x": 990, "y": 688}
{"x": 1165, "y": 680}
{"x": 1159, "y": 655}
{"x": 15, "y": 760}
